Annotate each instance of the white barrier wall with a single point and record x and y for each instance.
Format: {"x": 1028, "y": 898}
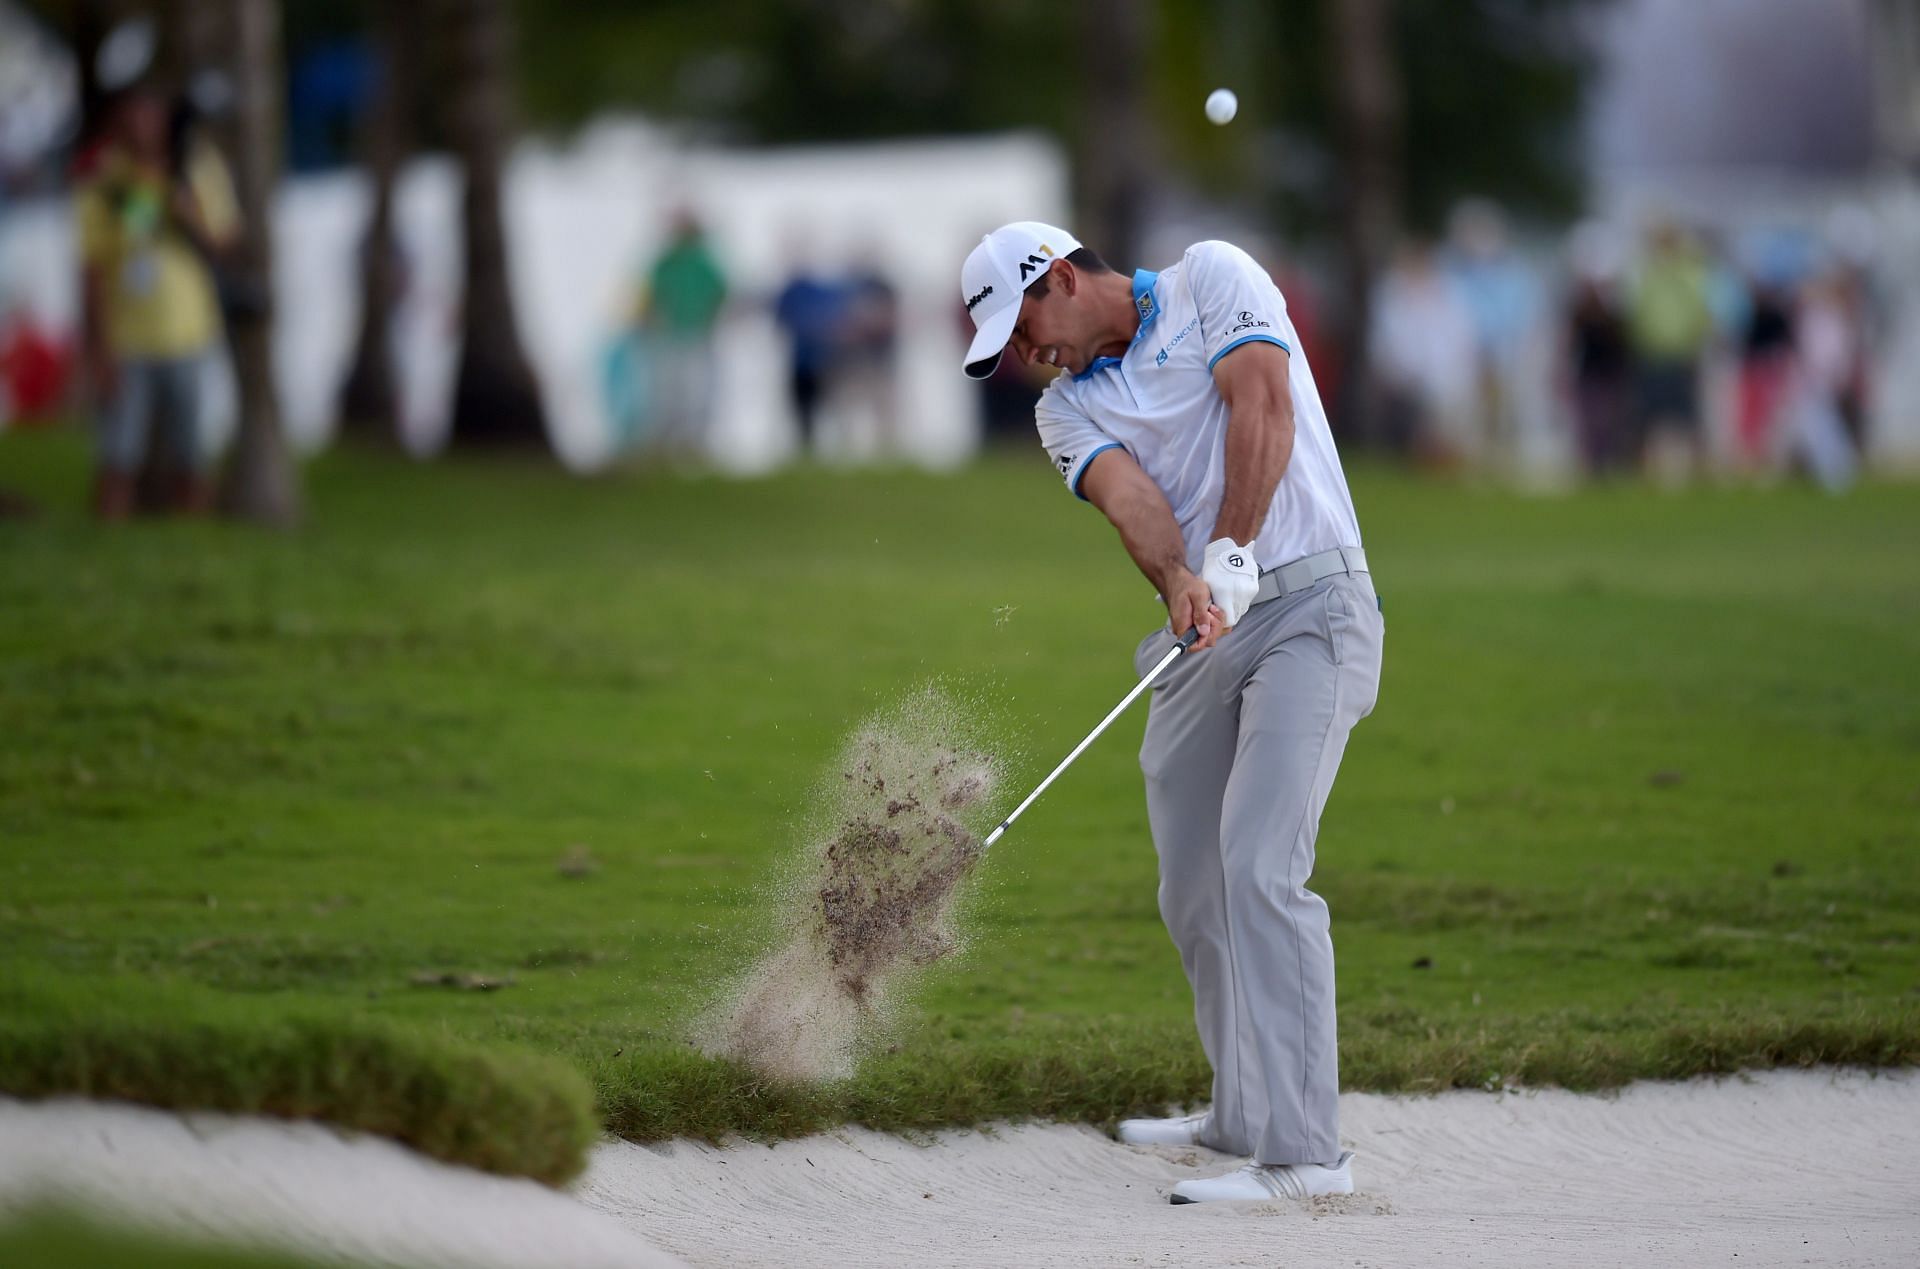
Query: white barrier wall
{"x": 584, "y": 221}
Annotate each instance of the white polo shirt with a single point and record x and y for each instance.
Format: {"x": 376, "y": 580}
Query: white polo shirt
{"x": 1159, "y": 403}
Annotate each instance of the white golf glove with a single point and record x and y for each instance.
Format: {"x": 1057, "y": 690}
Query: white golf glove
{"x": 1233, "y": 576}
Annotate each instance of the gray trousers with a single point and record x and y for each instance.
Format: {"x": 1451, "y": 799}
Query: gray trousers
{"x": 1243, "y": 741}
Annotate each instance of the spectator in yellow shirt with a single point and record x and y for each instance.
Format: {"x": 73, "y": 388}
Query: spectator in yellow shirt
{"x": 150, "y": 221}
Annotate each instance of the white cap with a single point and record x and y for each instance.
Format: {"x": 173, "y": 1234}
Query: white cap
{"x": 997, "y": 273}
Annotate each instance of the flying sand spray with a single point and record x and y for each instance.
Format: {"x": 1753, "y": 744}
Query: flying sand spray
{"x": 878, "y": 896}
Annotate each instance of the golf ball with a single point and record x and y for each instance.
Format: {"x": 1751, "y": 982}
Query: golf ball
{"x": 1222, "y": 105}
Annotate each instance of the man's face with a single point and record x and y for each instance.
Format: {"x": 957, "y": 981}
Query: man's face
{"x": 143, "y": 127}
{"x": 1055, "y": 328}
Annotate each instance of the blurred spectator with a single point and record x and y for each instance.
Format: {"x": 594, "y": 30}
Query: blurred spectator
{"x": 33, "y": 370}
{"x": 1501, "y": 297}
{"x": 1008, "y": 396}
{"x": 1766, "y": 377}
{"x": 1730, "y": 301}
{"x": 1305, "y": 310}
{"x": 1827, "y": 341}
{"x": 685, "y": 293}
{"x": 1729, "y": 294}
{"x": 1602, "y": 373}
{"x": 1670, "y": 324}
{"x": 1422, "y": 348}
{"x": 1853, "y": 295}
{"x": 863, "y": 375}
{"x": 152, "y": 212}
{"x": 810, "y": 308}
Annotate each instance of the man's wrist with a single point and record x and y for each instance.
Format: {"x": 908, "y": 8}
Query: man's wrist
{"x": 1221, "y": 532}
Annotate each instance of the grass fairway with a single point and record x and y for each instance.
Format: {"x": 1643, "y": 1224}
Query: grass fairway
{"x": 49, "y": 1238}
{"x": 1641, "y": 797}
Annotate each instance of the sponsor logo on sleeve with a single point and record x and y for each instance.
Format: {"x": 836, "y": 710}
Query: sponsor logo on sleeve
{"x": 1247, "y": 322}
{"x": 1064, "y": 463}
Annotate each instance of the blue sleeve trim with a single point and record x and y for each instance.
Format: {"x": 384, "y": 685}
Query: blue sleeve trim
{"x": 1080, "y": 475}
{"x": 1248, "y": 339}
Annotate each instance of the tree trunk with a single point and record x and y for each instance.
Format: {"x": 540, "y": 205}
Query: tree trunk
{"x": 369, "y": 407}
{"x": 1368, "y": 105}
{"x": 89, "y": 21}
{"x": 260, "y": 483}
{"x": 1116, "y": 127}
{"x": 495, "y": 400}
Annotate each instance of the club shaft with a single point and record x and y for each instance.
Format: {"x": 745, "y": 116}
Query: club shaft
{"x": 1092, "y": 736}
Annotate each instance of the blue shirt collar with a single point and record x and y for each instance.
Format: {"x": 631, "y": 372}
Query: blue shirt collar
{"x": 1147, "y": 302}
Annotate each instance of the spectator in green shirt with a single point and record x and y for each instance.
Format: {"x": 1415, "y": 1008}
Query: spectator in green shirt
{"x": 1669, "y": 322}
{"x": 686, "y": 291}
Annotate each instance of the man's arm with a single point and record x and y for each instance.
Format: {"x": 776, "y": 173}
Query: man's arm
{"x": 95, "y": 345}
{"x": 1253, "y": 380}
{"x": 1127, "y": 496}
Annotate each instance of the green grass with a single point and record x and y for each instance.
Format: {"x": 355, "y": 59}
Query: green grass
{"x": 1641, "y": 797}
{"x": 495, "y": 1107}
{"x": 52, "y": 1238}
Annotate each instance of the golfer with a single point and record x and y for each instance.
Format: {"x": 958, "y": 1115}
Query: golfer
{"x": 1187, "y": 414}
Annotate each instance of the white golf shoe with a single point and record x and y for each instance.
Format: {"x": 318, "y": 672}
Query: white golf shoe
{"x": 1185, "y": 1131}
{"x": 1255, "y": 1183}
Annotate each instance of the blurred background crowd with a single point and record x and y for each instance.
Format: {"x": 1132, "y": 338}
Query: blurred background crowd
{"x": 1527, "y": 240}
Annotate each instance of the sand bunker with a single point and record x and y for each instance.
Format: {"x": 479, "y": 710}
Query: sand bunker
{"x": 1783, "y": 1168}
{"x": 871, "y": 899}
{"x": 305, "y": 1187}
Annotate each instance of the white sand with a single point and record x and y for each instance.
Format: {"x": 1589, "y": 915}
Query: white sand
{"x": 1787, "y": 1168}
{"x": 306, "y": 1187}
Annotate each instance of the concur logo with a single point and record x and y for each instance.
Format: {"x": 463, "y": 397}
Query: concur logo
{"x": 1160, "y": 358}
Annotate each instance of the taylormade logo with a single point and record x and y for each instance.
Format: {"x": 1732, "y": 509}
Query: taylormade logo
{"x": 977, "y": 296}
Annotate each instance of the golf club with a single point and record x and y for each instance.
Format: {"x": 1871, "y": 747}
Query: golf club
{"x": 1180, "y": 645}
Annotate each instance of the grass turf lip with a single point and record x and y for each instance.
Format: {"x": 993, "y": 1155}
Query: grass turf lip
{"x": 1098, "y": 1074}
{"x": 496, "y": 1108}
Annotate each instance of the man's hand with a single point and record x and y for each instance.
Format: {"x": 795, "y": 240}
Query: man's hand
{"x": 1232, "y": 578}
{"x": 1189, "y": 606}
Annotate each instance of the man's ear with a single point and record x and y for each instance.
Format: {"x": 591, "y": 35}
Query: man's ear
{"x": 1063, "y": 275}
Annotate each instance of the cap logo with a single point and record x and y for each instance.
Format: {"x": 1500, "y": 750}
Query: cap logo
{"x": 977, "y": 296}
{"x": 1032, "y": 264}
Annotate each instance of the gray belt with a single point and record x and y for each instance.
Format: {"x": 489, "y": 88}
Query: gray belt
{"x": 1302, "y": 573}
